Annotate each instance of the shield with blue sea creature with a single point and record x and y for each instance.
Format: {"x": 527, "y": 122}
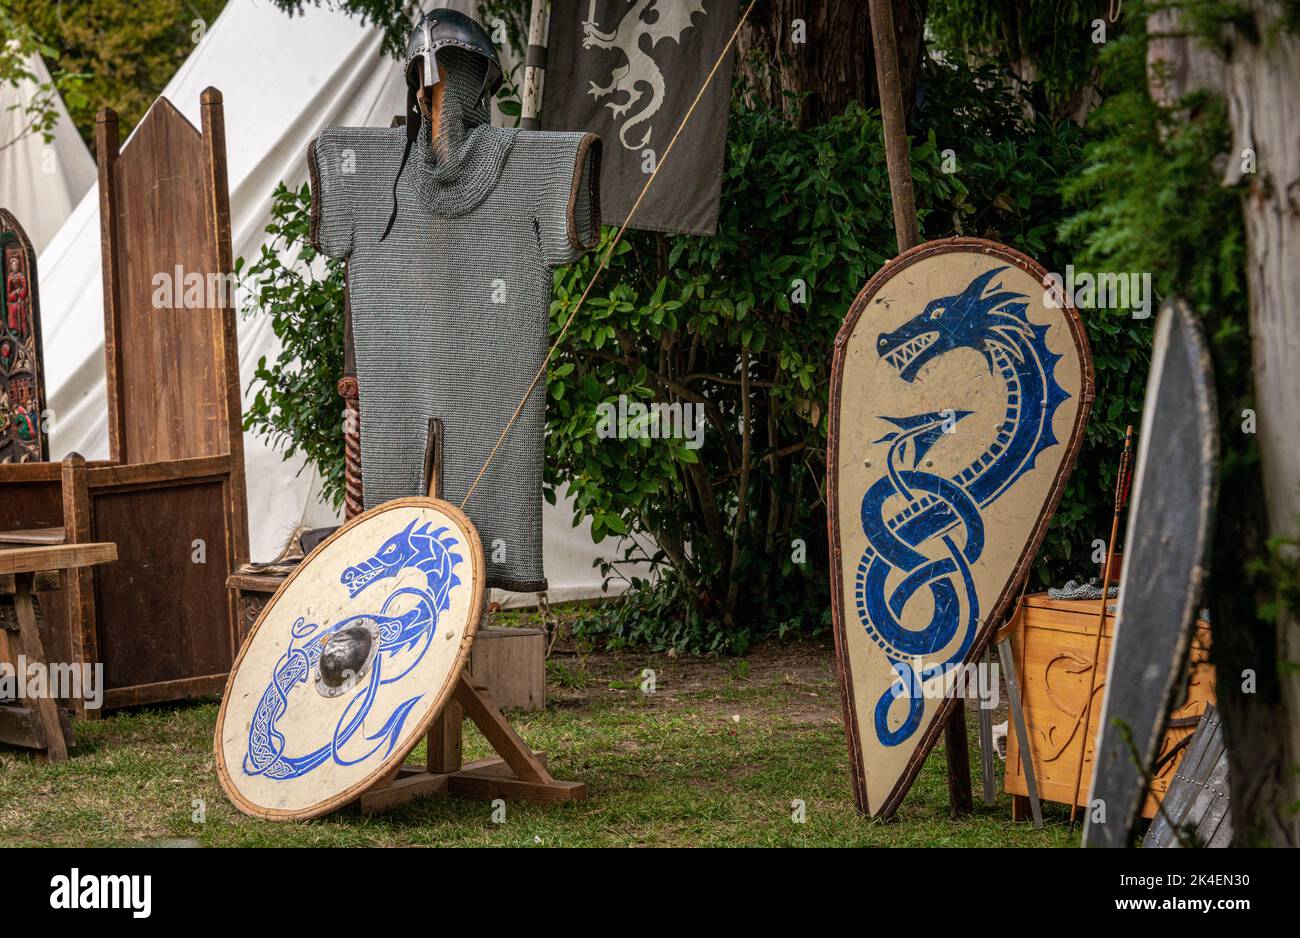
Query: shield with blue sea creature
{"x": 960, "y": 388}
{"x": 351, "y": 660}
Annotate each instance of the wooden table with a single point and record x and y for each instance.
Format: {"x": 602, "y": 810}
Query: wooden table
{"x": 24, "y": 570}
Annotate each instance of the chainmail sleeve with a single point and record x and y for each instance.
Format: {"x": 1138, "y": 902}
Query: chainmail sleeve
{"x": 329, "y": 165}
{"x": 568, "y": 203}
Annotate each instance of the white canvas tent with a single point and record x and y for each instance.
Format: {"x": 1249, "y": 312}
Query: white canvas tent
{"x": 40, "y": 183}
{"x": 283, "y": 80}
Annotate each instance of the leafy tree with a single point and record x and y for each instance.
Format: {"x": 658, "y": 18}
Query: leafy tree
{"x": 295, "y": 402}
{"x": 126, "y": 50}
{"x": 394, "y": 17}
{"x": 40, "y": 113}
{"x": 1049, "y": 44}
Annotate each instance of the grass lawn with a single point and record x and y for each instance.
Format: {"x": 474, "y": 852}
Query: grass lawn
{"x": 713, "y": 758}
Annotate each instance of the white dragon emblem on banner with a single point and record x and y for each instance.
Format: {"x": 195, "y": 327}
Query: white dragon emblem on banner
{"x": 635, "y": 39}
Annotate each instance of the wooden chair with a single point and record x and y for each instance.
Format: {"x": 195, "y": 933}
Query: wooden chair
{"x": 171, "y": 495}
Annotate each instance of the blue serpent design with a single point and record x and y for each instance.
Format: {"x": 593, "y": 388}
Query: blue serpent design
{"x": 933, "y": 537}
{"x": 420, "y": 548}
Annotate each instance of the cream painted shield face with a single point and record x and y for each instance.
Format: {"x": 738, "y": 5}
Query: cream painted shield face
{"x": 351, "y": 660}
{"x": 959, "y": 395}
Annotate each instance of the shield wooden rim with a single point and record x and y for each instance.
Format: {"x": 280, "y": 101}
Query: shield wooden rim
{"x": 397, "y": 757}
{"x": 1000, "y": 608}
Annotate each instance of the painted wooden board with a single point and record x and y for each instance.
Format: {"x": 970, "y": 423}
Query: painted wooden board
{"x": 1196, "y": 810}
{"x": 959, "y": 393}
{"x": 351, "y": 660}
{"x": 1164, "y": 566}
{"x": 22, "y": 376}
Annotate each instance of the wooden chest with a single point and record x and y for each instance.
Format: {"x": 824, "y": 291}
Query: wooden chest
{"x": 1053, "y": 644}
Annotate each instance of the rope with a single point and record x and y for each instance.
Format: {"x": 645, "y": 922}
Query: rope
{"x": 608, "y": 254}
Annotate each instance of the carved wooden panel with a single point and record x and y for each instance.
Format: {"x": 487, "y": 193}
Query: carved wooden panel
{"x": 22, "y": 381}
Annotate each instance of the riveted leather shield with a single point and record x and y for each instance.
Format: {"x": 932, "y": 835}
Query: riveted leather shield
{"x": 1165, "y": 549}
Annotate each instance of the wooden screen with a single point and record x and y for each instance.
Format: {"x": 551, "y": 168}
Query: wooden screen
{"x": 168, "y": 289}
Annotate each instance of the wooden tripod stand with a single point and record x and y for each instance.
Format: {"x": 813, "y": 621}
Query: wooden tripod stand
{"x": 515, "y": 772}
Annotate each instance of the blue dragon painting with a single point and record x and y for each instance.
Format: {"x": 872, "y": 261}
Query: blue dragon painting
{"x": 932, "y": 537}
{"x": 402, "y": 639}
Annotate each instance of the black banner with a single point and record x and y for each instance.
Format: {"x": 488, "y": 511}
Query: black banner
{"x": 629, "y": 72}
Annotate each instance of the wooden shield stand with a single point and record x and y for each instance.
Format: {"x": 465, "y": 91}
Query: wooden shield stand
{"x": 895, "y": 328}
{"x": 1164, "y": 568}
{"x": 515, "y": 772}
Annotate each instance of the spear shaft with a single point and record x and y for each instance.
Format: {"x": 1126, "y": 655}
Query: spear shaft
{"x": 1121, "y": 498}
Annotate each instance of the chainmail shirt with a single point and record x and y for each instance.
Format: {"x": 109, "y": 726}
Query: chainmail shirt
{"x": 450, "y": 310}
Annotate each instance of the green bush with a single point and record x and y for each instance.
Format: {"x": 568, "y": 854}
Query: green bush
{"x": 112, "y": 53}
{"x": 296, "y": 404}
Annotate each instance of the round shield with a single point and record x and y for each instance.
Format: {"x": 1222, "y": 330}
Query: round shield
{"x": 959, "y": 392}
{"x": 351, "y": 660}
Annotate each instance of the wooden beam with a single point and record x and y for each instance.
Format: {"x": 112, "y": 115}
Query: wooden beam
{"x": 58, "y": 557}
{"x": 498, "y": 731}
{"x": 159, "y": 473}
{"x": 21, "y": 726}
{"x": 159, "y": 691}
{"x": 897, "y": 156}
{"x": 445, "y": 739}
{"x": 56, "y": 747}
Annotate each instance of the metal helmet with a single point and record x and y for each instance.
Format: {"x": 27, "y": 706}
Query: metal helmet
{"x": 440, "y": 29}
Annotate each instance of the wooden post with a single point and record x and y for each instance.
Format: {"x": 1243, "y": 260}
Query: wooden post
{"x": 106, "y": 149}
{"x": 79, "y": 583}
{"x": 539, "y": 21}
{"x": 1007, "y": 654}
{"x": 961, "y": 800}
{"x": 986, "y": 736}
{"x": 891, "y": 111}
{"x": 956, "y": 747}
{"x": 444, "y": 740}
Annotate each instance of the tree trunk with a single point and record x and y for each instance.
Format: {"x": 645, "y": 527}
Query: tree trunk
{"x": 1259, "y": 699}
{"x": 830, "y": 58}
{"x": 1262, "y": 85}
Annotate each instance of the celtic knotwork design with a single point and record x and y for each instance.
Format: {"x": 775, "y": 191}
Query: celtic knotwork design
{"x": 925, "y": 531}
{"x": 403, "y": 639}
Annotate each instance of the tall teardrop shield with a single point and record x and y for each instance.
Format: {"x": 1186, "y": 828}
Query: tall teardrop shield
{"x": 961, "y": 385}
